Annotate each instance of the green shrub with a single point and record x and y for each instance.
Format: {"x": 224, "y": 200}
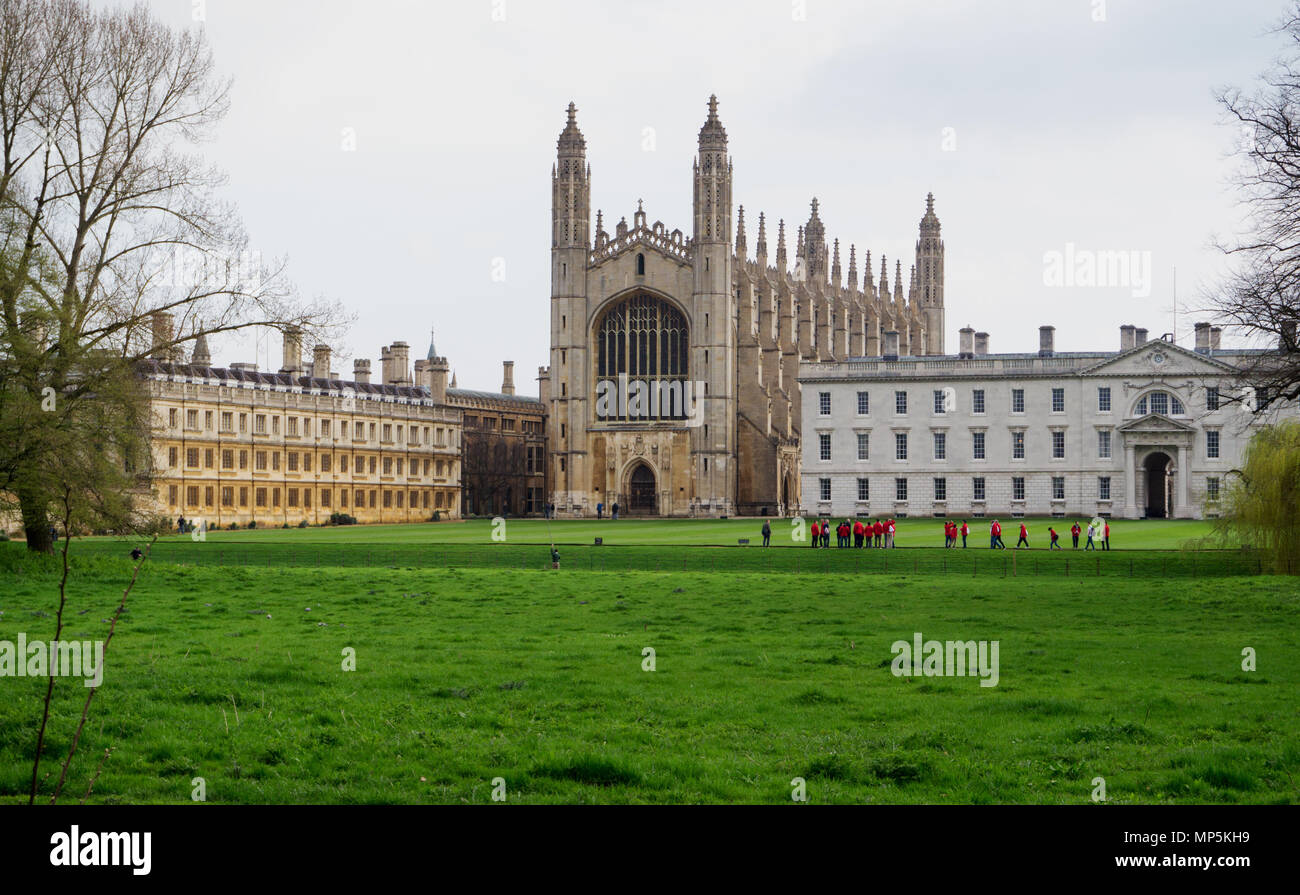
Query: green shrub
{"x": 253, "y": 524}
{"x": 302, "y": 524}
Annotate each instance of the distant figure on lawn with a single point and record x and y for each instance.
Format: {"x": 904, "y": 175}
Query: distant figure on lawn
{"x": 965, "y": 530}
{"x": 136, "y": 553}
{"x": 1074, "y": 533}
{"x": 995, "y": 536}
{"x": 180, "y": 525}
{"x": 826, "y": 532}
{"x": 1105, "y": 538}
{"x": 555, "y": 558}
{"x": 858, "y": 531}
{"x": 1024, "y": 536}
{"x": 878, "y": 531}
{"x": 767, "y": 533}
{"x": 1090, "y": 545}
{"x": 600, "y": 510}
{"x": 816, "y": 533}
{"x": 616, "y": 511}
{"x": 1053, "y": 545}
{"x": 889, "y": 533}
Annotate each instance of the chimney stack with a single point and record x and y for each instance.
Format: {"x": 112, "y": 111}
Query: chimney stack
{"x": 1139, "y": 336}
{"x": 399, "y": 372}
{"x": 891, "y": 344}
{"x": 162, "y": 335}
{"x": 320, "y": 362}
{"x": 981, "y": 344}
{"x": 1046, "y": 341}
{"x": 1127, "y": 337}
{"x": 1215, "y": 332}
{"x": 1202, "y": 338}
{"x": 292, "y": 351}
{"x": 966, "y": 342}
{"x": 361, "y": 371}
{"x": 508, "y": 377}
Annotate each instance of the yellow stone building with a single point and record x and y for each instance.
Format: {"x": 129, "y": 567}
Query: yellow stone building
{"x": 236, "y": 445}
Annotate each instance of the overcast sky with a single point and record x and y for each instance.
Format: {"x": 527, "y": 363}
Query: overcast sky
{"x": 1035, "y": 125}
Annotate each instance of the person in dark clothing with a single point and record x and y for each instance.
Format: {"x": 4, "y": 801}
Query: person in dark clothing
{"x": 616, "y": 512}
{"x": 767, "y": 534}
{"x": 600, "y": 511}
{"x": 136, "y": 554}
{"x": 555, "y": 558}
{"x": 826, "y": 533}
{"x": 180, "y": 525}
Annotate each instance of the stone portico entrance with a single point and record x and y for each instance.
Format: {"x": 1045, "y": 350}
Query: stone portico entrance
{"x": 1157, "y": 460}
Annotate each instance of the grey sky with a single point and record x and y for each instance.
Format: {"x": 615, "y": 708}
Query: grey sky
{"x": 1068, "y": 130}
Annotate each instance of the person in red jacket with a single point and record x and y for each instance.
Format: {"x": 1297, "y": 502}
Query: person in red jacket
{"x": 857, "y": 532}
{"x": 889, "y": 532}
{"x": 816, "y": 533}
{"x": 1074, "y": 533}
{"x": 965, "y": 530}
{"x": 995, "y": 536}
{"x": 1054, "y": 536}
{"x": 1105, "y": 537}
{"x": 950, "y": 534}
{"x": 1024, "y": 536}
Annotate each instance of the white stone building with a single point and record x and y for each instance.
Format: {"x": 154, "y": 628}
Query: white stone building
{"x": 1150, "y": 430}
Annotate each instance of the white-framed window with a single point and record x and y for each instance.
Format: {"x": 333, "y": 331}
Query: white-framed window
{"x": 1211, "y": 397}
{"x": 977, "y": 445}
{"x": 1162, "y": 403}
{"x": 1058, "y": 400}
{"x": 864, "y": 403}
{"x": 1103, "y": 444}
{"x": 1212, "y": 443}
{"x": 900, "y": 445}
{"x": 1017, "y": 487}
{"x": 1017, "y": 445}
{"x": 824, "y": 445}
{"x": 864, "y": 490}
{"x": 1212, "y": 488}
{"x": 977, "y": 401}
{"x": 940, "y": 490}
{"x": 1103, "y": 487}
{"x": 1017, "y": 400}
{"x": 939, "y": 405}
{"x": 824, "y": 488}
{"x": 824, "y": 403}
{"x": 1103, "y": 399}
{"x": 1058, "y": 445}
{"x": 977, "y": 487}
{"x": 864, "y": 445}
{"x": 1058, "y": 487}
{"x": 900, "y": 489}
{"x": 941, "y": 445}
{"x": 900, "y": 402}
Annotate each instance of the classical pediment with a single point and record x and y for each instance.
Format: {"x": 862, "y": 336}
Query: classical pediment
{"x": 1155, "y": 423}
{"x": 1159, "y": 359}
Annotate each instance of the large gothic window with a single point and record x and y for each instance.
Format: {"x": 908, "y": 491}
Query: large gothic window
{"x": 647, "y": 339}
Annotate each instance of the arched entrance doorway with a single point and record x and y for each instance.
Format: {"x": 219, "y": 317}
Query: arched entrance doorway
{"x": 1160, "y": 485}
{"x": 641, "y": 490}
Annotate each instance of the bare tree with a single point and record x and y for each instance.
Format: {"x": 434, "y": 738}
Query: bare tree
{"x": 492, "y": 465}
{"x": 1261, "y": 299}
{"x": 109, "y": 215}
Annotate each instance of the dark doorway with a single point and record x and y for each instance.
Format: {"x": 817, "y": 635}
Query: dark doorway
{"x": 785, "y": 495}
{"x": 1159, "y": 485}
{"x": 641, "y": 490}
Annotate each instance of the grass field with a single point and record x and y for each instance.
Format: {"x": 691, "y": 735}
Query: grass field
{"x": 464, "y": 675}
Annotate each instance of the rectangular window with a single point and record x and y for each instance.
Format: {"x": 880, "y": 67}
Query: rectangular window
{"x": 192, "y": 458}
{"x": 192, "y": 496}
{"x": 324, "y": 497}
{"x": 1058, "y": 487}
{"x": 359, "y": 431}
{"x": 293, "y": 463}
{"x": 977, "y": 487}
{"x": 864, "y": 403}
{"x": 293, "y": 497}
{"x": 824, "y": 445}
{"x": 259, "y": 424}
{"x": 243, "y": 459}
{"x": 291, "y": 428}
{"x": 243, "y": 497}
{"x": 864, "y": 490}
{"x": 173, "y": 456}
{"x": 306, "y": 462}
{"x": 227, "y": 496}
{"x": 939, "y": 404}
{"x": 207, "y": 420}
{"x": 900, "y": 402}
{"x": 227, "y": 421}
{"x": 900, "y": 445}
{"x": 1017, "y": 445}
{"x": 227, "y": 459}
{"x": 275, "y": 462}
{"x": 325, "y": 463}
{"x": 1017, "y": 400}
{"x": 1212, "y": 444}
{"x": 900, "y": 489}
{"x": 1058, "y": 400}
{"x": 1103, "y": 444}
{"x": 977, "y": 445}
{"x": 977, "y": 401}
{"x": 259, "y": 461}
{"x": 1018, "y": 487}
{"x": 1211, "y": 488}
{"x": 824, "y": 486}
{"x": 171, "y": 494}
{"x": 388, "y": 499}
{"x": 1103, "y": 399}
{"x": 191, "y": 419}
{"x": 1103, "y": 487}
{"x": 1058, "y": 445}
{"x": 208, "y": 456}
{"x": 864, "y": 446}
{"x": 343, "y": 462}
{"x": 259, "y": 497}
{"x": 388, "y": 466}
{"x": 940, "y": 490}
{"x": 1212, "y": 397}
{"x": 1160, "y": 402}
{"x": 171, "y": 419}
{"x": 824, "y": 403}
{"x": 941, "y": 445}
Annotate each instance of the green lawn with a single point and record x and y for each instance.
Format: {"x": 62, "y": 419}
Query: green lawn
{"x": 465, "y": 675}
{"x": 1145, "y": 534}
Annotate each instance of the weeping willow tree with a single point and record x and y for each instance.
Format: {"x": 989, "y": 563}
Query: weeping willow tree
{"x": 1263, "y": 498}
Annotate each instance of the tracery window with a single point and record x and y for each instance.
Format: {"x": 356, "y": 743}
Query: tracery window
{"x": 647, "y": 339}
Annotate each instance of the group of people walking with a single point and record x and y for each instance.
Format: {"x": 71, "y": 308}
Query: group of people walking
{"x": 857, "y": 533}
{"x": 1098, "y": 532}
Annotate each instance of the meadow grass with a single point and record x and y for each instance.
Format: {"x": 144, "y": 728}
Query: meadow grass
{"x": 465, "y": 675}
